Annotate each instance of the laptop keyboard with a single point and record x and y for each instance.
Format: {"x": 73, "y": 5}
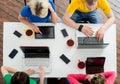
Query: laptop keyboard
{"x": 46, "y": 69}
{"x": 89, "y": 40}
{"x": 36, "y": 61}
{"x": 94, "y": 69}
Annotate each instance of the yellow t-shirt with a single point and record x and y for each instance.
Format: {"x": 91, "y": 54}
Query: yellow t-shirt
{"x": 81, "y": 6}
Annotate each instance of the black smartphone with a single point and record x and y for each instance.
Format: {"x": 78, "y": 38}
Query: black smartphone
{"x": 64, "y": 32}
{"x": 13, "y": 53}
{"x": 64, "y": 58}
{"x": 18, "y": 34}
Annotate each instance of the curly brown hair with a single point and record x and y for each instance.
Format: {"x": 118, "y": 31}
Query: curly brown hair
{"x": 98, "y": 79}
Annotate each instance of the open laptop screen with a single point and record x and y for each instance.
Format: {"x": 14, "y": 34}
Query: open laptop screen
{"x": 47, "y": 32}
{"x": 34, "y": 49}
{"x": 95, "y": 61}
{"x": 95, "y": 65}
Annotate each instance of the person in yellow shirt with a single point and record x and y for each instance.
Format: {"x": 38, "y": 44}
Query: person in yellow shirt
{"x": 79, "y": 9}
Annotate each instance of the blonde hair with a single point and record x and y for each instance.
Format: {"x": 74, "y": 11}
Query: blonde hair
{"x": 98, "y": 79}
{"x": 39, "y": 7}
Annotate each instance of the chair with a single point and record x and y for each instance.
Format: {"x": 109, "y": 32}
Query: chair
{"x": 25, "y": 2}
{"x": 84, "y": 20}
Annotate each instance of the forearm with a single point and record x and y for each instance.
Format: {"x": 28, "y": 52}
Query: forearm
{"x": 41, "y": 80}
{"x": 108, "y": 23}
{"x": 5, "y": 70}
{"x": 54, "y": 17}
{"x": 25, "y": 21}
{"x": 75, "y": 78}
{"x": 9, "y": 69}
{"x": 110, "y": 77}
{"x": 70, "y": 22}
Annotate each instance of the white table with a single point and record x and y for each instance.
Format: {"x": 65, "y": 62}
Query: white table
{"x": 57, "y": 47}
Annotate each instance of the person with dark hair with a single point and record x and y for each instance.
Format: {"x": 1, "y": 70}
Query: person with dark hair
{"x": 87, "y": 9}
{"x": 20, "y": 77}
{"x": 98, "y": 78}
{"x": 41, "y": 11}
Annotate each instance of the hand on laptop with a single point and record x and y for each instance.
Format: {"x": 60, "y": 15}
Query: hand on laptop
{"x": 41, "y": 71}
{"x": 41, "y": 74}
{"x": 100, "y": 34}
{"x": 87, "y": 31}
{"x": 35, "y": 29}
{"x": 29, "y": 71}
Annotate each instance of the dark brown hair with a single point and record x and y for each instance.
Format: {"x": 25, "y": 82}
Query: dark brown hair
{"x": 20, "y": 78}
{"x": 98, "y": 79}
{"x": 90, "y": 2}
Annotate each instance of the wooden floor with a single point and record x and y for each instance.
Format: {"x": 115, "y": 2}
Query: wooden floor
{"x": 9, "y": 10}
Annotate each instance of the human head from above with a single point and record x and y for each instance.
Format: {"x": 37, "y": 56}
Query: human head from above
{"x": 39, "y": 7}
{"x": 20, "y": 78}
{"x": 91, "y": 4}
{"x": 96, "y": 79}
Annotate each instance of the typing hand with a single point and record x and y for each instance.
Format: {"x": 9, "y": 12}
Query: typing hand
{"x": 87, "y": 31}
{"x": 29, "y": 71}
{"x": 100, "y": 34}
{"x": 35, "y": 29}
{"x": 41, "y": 72}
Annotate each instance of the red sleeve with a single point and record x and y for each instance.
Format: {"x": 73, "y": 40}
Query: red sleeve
{"x": 73, "y": 78}
{"x": 110, "y": 77}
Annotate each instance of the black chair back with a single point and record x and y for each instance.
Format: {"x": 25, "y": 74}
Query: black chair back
{"x": 25, "y": 2}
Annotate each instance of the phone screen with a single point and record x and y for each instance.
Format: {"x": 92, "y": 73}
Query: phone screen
{"x": 13, "y": 53}
{"x": 18, "y": 34}
{"x": 64, "y": 58}
{"x": 64, "y": 32}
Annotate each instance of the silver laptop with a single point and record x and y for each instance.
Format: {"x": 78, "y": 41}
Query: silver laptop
{"x": 35, "y": 56}
{"x": 90, "y": 42}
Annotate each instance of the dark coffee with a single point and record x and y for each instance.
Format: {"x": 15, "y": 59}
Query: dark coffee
{"x": 81, "y": 65}
{"x": 70, "y": 42}
{"x": 29, "y": 32}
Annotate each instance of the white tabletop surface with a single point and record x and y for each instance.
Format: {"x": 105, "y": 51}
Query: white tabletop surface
{"x": 57, "y": 48}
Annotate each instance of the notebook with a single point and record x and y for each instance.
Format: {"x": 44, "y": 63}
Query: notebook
{"x": 48, "y": 32}
{"x": 35, "y": 56}
{"x": 95, "y": 65}
{"x": 90, "y": 42}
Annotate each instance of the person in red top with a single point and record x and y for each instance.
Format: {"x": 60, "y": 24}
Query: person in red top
{"x": 100, "y": 78}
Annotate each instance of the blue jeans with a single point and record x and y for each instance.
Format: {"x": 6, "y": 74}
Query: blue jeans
{"x": 92, "y": 16}
{"x": 50, "y": 21}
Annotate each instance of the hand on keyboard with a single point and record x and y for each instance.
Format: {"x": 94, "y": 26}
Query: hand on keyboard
{"x": 29, "y": 71}
{"x": 87, "y": 31}
{"x": 41, "y": 71}
{"x": 100, "y": 34}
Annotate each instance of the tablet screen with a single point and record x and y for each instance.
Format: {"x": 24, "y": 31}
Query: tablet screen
{"x": 47, "y": 32}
